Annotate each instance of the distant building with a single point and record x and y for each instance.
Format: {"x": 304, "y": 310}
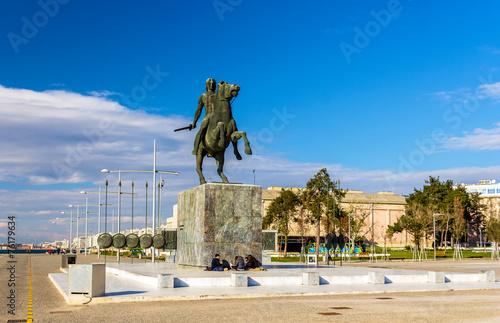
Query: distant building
{"x": 489, "y": 195}
{"x": 28, "y": 246}
{"x": 380, "y": 209}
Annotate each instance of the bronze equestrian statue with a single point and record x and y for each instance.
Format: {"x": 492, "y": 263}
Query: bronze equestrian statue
{"x": 218, "y": 127}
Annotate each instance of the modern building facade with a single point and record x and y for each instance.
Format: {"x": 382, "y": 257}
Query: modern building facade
{"x": 489, "y": 194}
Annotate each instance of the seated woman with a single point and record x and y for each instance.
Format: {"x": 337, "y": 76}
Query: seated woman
{"x": 239, "y": 264}
{"x": 251, "y": 262}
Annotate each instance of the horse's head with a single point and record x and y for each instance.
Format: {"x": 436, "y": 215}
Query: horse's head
{"x": 227, "y": 91}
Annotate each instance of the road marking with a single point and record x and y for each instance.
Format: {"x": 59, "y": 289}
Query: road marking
{"x": 30, "y": 300}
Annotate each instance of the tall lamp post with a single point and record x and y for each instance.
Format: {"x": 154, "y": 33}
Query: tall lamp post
{"x": 434, "y": 228}
{"x": 154, "y": 171}
{"x": 86, "y": 230}
{"x": 99, "y": 216}
{"x": 77, "y": 233}
{"x": 78, "y": 218}
{"x": 70, "y": 230}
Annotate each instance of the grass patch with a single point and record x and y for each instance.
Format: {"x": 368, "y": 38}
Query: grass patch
{"x": 398, "y": 254}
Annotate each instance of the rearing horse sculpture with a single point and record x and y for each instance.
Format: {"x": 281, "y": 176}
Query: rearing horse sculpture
{"x": 221, "y": 130}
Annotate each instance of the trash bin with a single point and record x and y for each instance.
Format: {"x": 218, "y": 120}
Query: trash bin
{"x": 87, "y": 279}
{"x": 68, "y": 260}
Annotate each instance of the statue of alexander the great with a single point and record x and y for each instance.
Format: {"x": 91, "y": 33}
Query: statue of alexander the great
{"x": 218, "y": 127}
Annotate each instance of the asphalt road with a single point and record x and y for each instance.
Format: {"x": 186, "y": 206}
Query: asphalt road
{"x": 49, "y": 306}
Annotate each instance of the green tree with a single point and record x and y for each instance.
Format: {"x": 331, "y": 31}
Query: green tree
{"x": 493, "y": 232}
{"x": 356, "y": 216}
{"x": 476, "y": 211}
{"x": 316, "y": 198}
{"x": 459, "y": 226}
{"x": 417, "y": 221}
{"x": 281, "y": 212}
{"x": 442, "y": 199}
{"x": 302, "y": 226}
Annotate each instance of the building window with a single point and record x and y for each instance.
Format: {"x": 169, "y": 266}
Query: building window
{"x": 491, "y": 191}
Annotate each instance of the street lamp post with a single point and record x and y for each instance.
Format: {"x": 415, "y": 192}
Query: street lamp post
{"x": 154, "y": 171}
{"x": 86, "y": 222}
{"x": 70, "y": 230}
{"x": 434, "y": 228}
{"x": 351, "y": 243}
{"x": 86, "y": 230}
{"x": 77, "y": 233}
{"x": 78, "y": 218}
{"x": 160, "y": 186}
{"x": 99, "y": 224}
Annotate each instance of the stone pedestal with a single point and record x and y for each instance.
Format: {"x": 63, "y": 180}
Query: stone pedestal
{"x": 219, "y": 218}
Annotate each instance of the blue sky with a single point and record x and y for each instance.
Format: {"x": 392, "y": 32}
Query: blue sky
{"x": 382, "y": 93}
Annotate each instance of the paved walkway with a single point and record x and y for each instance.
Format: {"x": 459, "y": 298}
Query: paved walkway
{"x": 119, "y": 288}
{"x": 472, "y": 305}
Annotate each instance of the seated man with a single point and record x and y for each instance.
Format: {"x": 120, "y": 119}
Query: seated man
{"x": 216, "y": 263}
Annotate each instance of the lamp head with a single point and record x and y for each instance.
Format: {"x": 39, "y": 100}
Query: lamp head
{"x": 105, "y": 171}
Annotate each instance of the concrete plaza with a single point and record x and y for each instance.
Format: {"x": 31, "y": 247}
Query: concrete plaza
{"x": 353, "y": 302}
{"x": 138, "y": 281}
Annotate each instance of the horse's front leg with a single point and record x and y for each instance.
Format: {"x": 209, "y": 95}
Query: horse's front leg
{"x": 235, "y": 136}
{"x": 231, "y": 128}
{"x": 199, "y": 162}
{"x": 219, "y": 160}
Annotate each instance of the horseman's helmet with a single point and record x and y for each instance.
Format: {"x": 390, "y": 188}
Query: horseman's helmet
{"x": 210, "y": 84}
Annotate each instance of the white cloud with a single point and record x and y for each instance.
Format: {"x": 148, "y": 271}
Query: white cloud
{"x": 490, "y": 50}
{"x": 103, "y": 93}
{"x": 464, "y": 95}
{"x": 57, "y": 136}
{"x": 491, "y": 91}
{"x": 479, "y": 139}
{"x": 452, "y": 96}
{"x": 442, "y": 96}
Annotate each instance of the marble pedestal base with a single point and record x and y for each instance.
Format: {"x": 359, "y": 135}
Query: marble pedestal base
{"x": 219, "y": 218}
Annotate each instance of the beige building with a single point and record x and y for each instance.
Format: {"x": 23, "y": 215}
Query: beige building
{"x": 380, "y": 209}
{"x": 377, "y": 211}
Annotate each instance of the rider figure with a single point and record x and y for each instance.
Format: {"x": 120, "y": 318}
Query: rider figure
{"x": 209, "y": 109}
{"x": 207, "y": 100}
